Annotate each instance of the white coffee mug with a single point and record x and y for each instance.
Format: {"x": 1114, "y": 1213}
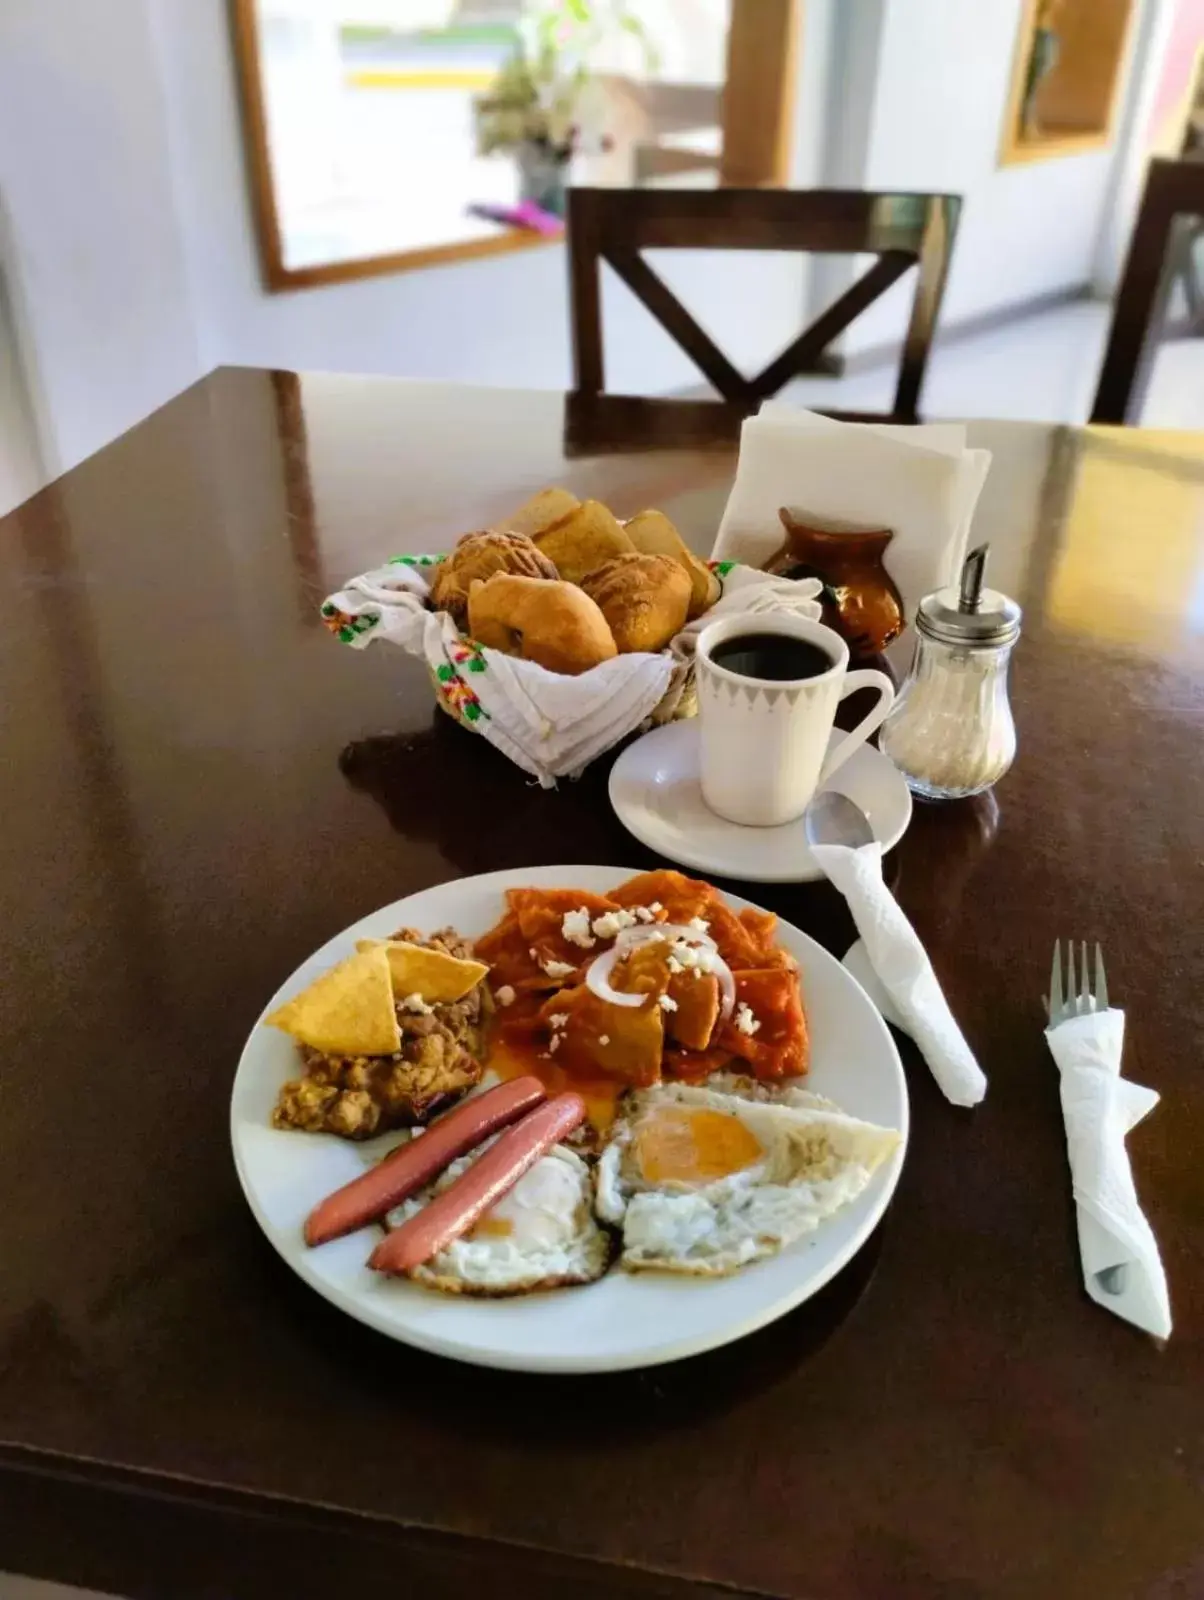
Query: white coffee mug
{"x": 765, "y": 741}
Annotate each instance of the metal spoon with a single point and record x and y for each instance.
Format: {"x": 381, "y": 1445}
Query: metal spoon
{"x": 833, "y": 818}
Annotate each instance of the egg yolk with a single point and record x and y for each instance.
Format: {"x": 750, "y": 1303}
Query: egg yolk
{"x": 681, "y": 1144}
{"x": 490, "y": 1227}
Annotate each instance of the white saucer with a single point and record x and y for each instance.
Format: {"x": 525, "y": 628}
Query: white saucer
{"x": 655, "y": 790}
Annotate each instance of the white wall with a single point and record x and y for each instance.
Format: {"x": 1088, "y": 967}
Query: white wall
{"x": 936, "y": 110}
{"x": 22, "y": 470}
{"x": 502, "y": 321}
{"x": 92, "y": 254}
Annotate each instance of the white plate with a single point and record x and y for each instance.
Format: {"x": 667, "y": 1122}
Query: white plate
{"x": 623, "y": 1320}
{"x": 655, "y": 790}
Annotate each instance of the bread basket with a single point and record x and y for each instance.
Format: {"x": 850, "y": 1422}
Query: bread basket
{"x": 549, "y": 724}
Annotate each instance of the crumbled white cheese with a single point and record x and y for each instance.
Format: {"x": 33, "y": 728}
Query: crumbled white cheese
{"x": 558, "y": 969}
{"x": 415, "y": 1002}
{"x": 554, "y": 1044}
{"x": 745, "y": 1020}
{"x": 644, "y": 913}
{"x": 560, "y": 1020}
{"x": 655, "y": 907}
{"x": 575, "y": 927}
{"x": 692, "y": 955}
{"x": 604, "y": 1038}
{"x": 667, "y": 1003}
{"x": 699, "y": 924}
{"x": 611, "y": 923}
{"x": 504, "y": 996}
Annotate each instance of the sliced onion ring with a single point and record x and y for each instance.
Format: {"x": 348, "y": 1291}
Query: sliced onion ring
{"x": 727, "y": 988}
{"x": 597, "y": 974}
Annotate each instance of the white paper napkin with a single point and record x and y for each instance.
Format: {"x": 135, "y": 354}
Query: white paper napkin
{"x": 549, "y": 724}
{"x": 1099, "y": 1107}
{"x": 902, "y": 966}
{"x": 921, "y": 482}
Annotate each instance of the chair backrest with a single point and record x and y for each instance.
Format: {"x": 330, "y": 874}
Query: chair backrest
{"x": 1160, "y": 253}
{"x": 614, "y": 225}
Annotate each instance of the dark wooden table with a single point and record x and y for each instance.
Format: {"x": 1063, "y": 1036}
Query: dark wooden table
{"x": 201, "y": 786}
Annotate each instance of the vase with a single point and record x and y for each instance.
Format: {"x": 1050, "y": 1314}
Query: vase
{"x": 859, "y": 599}
{"x": 542, "y": 177}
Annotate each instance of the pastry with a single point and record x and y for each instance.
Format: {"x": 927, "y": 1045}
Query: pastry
{"x": 581, "y": 540}
{"x": 548, "y": 506}
{"x": 643, "y": 598}
{"x": 480, "y": 555}
{"x": 653, "y": 534}
{"x": 541, "y": 619}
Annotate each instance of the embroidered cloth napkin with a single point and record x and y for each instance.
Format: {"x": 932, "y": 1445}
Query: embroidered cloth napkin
{"x": 549, "y": 724}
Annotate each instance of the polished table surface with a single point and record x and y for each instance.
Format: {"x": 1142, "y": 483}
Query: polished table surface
{"x": 201, "y": 786}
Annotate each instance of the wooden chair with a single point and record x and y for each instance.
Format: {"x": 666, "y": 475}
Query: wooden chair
{"x": 614, "y": 225}
{"x": 1164, "y": 251}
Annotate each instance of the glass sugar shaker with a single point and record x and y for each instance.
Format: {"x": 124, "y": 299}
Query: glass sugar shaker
{"x": 950, "y": 731}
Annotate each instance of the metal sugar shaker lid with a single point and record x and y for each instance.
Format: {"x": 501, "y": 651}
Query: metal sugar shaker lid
{"x": 970, "y": 615}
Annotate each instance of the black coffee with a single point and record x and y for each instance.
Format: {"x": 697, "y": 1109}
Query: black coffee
{"x": 777, "y": 656}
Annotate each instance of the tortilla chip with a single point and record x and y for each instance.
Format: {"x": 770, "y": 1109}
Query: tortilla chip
{"x": 654, "y": 535}
{"x": 598, "y": 1038}
{"x": 682, "y": 898}
{"x": 732, "y": 936}
{"x": 581, "y": 541}
{"x": 696, "y": 998}
{"x": 511, "y": 963}
{"x": 693, "y": 1066}
{"x": 780, "y": 1047}
{"x": 433, "y": 974}
{"x": 544, "y": 508}
{"x": 348, "y": 1011}
{"x": 541, "y": 914}
{"x": 761, "y": 927}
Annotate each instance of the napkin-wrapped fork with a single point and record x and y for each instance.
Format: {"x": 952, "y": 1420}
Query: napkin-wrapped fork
{"x": 1122, "y": 1268}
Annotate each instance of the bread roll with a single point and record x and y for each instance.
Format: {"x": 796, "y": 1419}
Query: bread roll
{"x": 643, "y": 598}
{"x": 538, "y": 513}
{"x": 582, "y": 540}
{"x": 653, "y": 534}
{"x": 541, "y": 619}
{"x": 480, "y": 555}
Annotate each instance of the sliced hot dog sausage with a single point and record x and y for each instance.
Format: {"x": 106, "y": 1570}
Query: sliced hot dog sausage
{"x": 410, "y": 1167}
{"x": 492, "y": 1175}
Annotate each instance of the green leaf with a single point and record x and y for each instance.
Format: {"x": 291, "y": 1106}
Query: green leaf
{"x": 476, "y": 665}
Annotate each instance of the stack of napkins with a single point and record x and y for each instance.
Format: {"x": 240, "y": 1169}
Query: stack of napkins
{"x": 922, "y": 482}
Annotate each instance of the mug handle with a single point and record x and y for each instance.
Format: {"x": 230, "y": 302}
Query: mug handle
{"x": 861, "y": 678}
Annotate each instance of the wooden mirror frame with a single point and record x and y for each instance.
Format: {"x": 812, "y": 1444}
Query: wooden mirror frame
{"x": 758, "y": 104}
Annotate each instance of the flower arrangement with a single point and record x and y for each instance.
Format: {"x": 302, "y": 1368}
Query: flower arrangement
{"x": 543, "y": 104}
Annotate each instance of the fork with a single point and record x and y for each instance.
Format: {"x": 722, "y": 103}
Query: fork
{"x": 1085, "y": 1001}
{"x": 1061, "y": 1005}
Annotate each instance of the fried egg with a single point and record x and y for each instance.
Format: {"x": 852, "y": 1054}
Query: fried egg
{"x": 540, "y": 1235}
{"x": 707, "y": 1179}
